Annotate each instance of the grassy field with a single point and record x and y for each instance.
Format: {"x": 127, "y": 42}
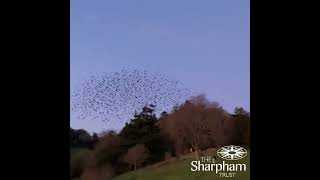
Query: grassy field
{"x": 180, "y": 170}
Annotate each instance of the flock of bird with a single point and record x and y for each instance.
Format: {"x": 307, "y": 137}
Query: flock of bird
{"x": 113, "y": 97}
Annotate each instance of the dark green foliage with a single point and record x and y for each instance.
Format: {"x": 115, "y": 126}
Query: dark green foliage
{"x": 143, "y": 129}
{"x": 82, "y": 139}
{"x": 241, "y": 129}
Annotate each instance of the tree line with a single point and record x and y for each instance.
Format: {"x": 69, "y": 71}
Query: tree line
{"x": 195, "y": 125}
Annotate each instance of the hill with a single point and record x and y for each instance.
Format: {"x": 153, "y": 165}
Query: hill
{"x": 180, "y": 170}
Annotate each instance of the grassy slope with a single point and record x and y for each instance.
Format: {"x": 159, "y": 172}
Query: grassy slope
{"x": 180, "y": 170}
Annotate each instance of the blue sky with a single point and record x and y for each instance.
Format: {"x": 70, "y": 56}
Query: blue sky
{"x": 204, "y": 44}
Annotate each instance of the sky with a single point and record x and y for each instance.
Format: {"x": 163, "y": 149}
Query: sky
{"x": 203, "y": 44}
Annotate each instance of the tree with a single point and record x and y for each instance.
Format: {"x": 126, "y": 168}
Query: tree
{"x": 241, "y": 127}
{"x": 143, "y": 129}
{"x": 196, "y": 124}
{"x": 95, "y": 139}
{"x": 163, "y": 115}
{"x": 108, "y": 149}
{"x": 79, "y": 160}
{"x": 136, "y": 155}
{"x": 81, "y": 139}
{"x": 107, "y": 132}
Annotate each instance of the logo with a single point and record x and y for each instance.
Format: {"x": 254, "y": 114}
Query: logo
{"x": 224, "y": 168}
{"x": 232, "y": 152}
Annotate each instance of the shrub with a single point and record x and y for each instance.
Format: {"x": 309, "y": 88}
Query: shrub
{"x": 97, "y": 173}
{"x": 79, "y": 161}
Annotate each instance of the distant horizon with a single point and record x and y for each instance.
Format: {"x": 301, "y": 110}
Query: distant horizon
{"x": 204, "y": 45}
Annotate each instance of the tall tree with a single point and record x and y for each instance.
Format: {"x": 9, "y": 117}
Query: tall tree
{"x": 241, "y": 127}
{"x": 143, "y": 129}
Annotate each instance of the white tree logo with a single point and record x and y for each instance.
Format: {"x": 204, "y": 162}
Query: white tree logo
{"x": 232, "y": 152}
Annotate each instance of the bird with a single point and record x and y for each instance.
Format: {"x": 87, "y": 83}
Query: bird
{"x": 112, "y": 97}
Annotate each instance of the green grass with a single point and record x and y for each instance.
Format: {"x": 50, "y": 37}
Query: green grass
{"x": 180, "y": 170}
